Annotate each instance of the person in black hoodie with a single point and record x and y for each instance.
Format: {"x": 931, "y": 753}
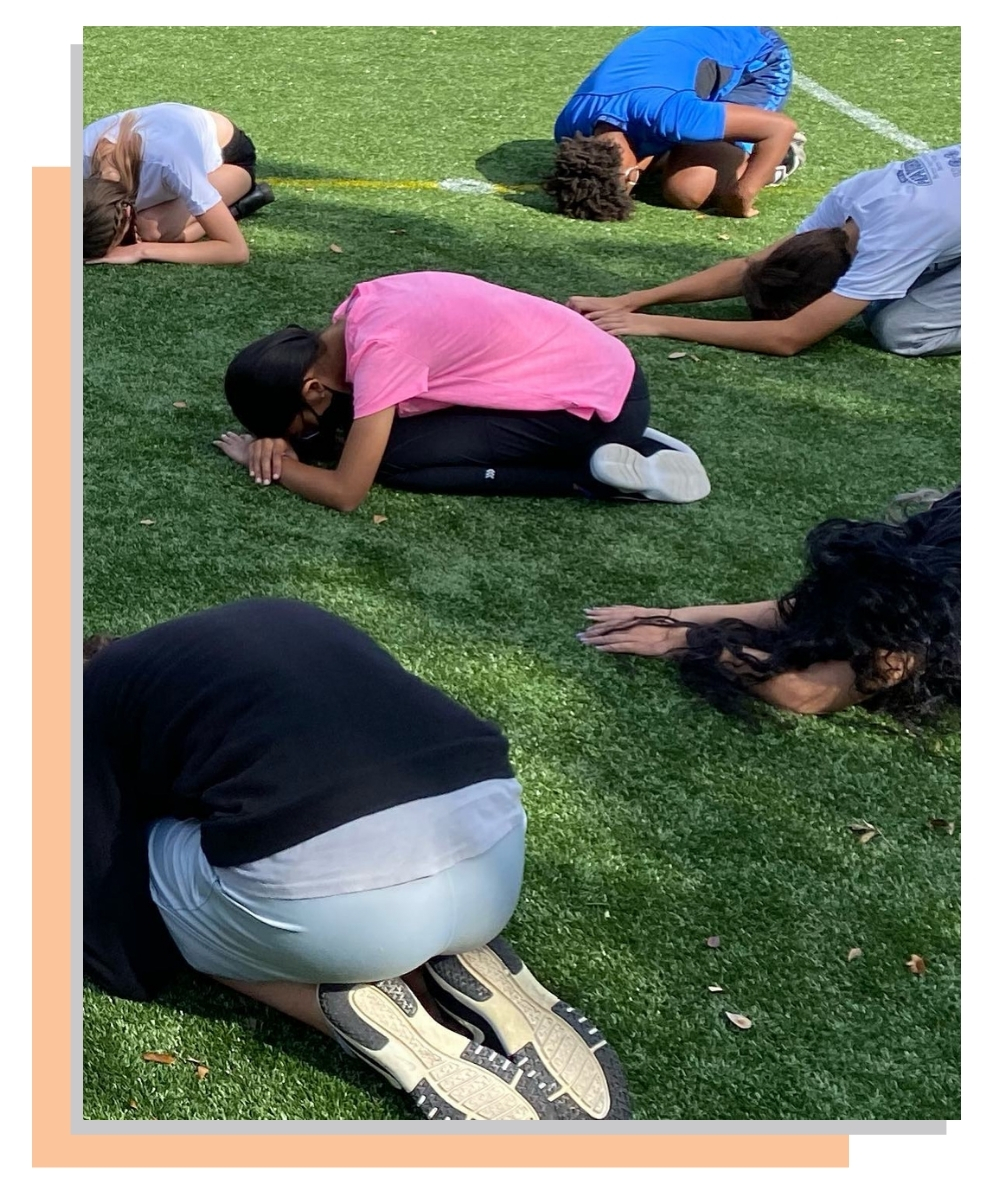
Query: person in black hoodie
{"x": 272, "y": 800}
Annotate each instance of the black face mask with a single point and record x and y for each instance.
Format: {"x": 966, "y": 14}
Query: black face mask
{"x": 337, "y": 416}
{"x": 332, "y": 424}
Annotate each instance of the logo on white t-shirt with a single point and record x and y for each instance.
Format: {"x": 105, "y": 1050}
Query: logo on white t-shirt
{"x": 914, "y": 171}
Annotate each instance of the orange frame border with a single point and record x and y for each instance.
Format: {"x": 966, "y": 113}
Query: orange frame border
{"x": 54, "y": 1143}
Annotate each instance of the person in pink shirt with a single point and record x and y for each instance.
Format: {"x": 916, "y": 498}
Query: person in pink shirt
{"x": 437, "y": 382}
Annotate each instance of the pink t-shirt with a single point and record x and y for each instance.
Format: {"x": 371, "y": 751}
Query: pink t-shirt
{"x": 431, "y": 339}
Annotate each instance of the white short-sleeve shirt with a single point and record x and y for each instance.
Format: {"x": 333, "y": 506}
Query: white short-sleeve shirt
{"x": 908, "y": 216}
{"x": 180, "y": 147}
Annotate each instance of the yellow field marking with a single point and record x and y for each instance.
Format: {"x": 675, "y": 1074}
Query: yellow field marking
{"x": 426, "y": 185}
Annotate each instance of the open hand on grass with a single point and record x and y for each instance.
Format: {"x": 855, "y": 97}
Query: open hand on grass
{"x": 622, "y": 323}
{"x": 596, "y": 304}
{"x": 612, "y": 632}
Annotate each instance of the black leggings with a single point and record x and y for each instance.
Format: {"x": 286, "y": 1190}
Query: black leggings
{"x": 498, "y": 452}
{"x": 239, "y": 151}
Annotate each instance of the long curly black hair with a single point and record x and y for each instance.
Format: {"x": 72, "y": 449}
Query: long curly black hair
{"x": 870, "y": 587}
{"x": 586, "y": 180}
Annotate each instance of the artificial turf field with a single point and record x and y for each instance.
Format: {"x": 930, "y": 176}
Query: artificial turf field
{"x": 654, "y": 823}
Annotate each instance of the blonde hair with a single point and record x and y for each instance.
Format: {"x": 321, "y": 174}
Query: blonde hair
{"x": 105, "y": 200}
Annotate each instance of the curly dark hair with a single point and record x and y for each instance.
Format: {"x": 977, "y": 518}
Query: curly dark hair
{"x": 870, "y": 587}
{"x": 802, "y": 269}
{"x": 586, "y": 180}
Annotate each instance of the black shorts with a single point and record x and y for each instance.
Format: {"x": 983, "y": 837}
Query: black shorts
{"x": 239, "y": 151}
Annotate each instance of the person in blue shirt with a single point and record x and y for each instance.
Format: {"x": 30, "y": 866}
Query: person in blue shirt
{"x": 699, "y": 105}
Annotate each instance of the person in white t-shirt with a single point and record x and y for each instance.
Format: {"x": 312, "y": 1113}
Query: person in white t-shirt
{"x": 168, "y": 183}
{"x": 885, "y": 244}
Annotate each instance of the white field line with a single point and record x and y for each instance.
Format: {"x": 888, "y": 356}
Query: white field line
{"x": 870, "y": 120}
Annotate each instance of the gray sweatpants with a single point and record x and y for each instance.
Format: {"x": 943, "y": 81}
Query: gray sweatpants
{"x": 927, "y": 320}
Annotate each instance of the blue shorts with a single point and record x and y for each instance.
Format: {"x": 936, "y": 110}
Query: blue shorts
{"x": 764, "y": 83}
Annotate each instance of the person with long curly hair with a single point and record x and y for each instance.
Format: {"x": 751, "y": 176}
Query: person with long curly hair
{"x": 271, "y": 800}
{"x": 698, "y": 106}
{"x": 875, "y": 620}
{"x": 168, "y": 183}
{"x": 885, "y": 245}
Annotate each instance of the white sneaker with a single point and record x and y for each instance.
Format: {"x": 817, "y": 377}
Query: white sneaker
{"x": 667, "y": 476}
{"x": 794, "y": 158}
{"x": 655, "y": 435}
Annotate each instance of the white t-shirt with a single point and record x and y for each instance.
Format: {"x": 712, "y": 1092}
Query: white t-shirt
{"x": 180, "y": 146}
{"x": 908, "y": 216}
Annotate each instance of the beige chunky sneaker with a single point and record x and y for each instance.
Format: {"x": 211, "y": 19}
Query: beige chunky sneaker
{"x": 493, "y": 994}
{"x": 448, "y": 1076}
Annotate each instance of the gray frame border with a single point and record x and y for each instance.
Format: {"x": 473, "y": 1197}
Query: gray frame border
{"x": 78, "y": 1125}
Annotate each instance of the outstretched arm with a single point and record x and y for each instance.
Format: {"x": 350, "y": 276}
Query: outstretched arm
{"x": 610, "y": 628}
{"x": 719, "y": 282}
{"x": 821, "y": 688}
{"x": 808, "y": 326}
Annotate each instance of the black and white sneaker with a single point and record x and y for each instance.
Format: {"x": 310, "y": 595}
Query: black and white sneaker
{"x": 492, "y": 992}
{"x": 795, "y": 158}
{"x": 669, "y": 476}
{"x": 449, "y": 1076}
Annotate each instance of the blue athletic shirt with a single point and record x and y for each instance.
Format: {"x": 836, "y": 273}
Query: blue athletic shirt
{"x": 662, "y": 85}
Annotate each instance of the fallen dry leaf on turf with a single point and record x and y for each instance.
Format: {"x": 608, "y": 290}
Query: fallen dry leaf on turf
{"x": 179, "y": 404}
{"x": 714, "y": 941}
{"x": 335, "y": 248}
{"x": 201, "y": 1071}
{"x": 716, "y": 987}
{"x": 864, "y": 832}
{"x": 916, "y": 964}
{"x": 701, "y": 216}
{"x": 739, "y": 1020}
{"x": 154, "y": 1056}
{"x": 678, "y": 354}
{"x": 694, "y": 358}
{"x": 308, "y": 189}
{"x": 379, "y": 519}
{"x": 723, "y": 237}
{"x": 941, "y": 823}
{"x": 397, "y": 231}
{"x": 147, "y": 521}
{"x": 133, "y": 1104}
{"x": 853, "y": 953}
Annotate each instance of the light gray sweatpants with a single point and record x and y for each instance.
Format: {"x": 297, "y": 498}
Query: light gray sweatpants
{"x": 927, "y": 320}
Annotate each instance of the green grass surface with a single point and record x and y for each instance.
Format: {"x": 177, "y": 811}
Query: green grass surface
{"x": 654, "y": 823}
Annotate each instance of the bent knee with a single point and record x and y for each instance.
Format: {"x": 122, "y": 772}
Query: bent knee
{"x": 895, "y": 331}
{"x": 689, "y": 188}
{"x": 148, "y": 229}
